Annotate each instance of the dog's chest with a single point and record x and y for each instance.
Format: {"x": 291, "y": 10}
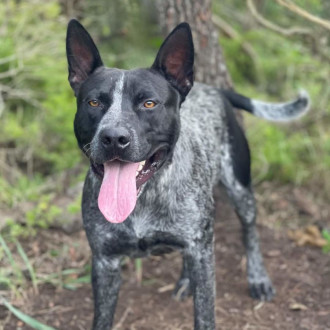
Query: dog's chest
{"x": 140, "y": 243}
{"x": 146, "y": 232}
{"x": 155, "y": 227}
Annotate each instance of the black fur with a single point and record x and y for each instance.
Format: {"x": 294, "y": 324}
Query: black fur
{"x": 240, "y": 151}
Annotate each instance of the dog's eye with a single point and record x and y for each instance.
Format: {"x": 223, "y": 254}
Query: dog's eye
{"x": 94, "y": 103}
{"x": 149, "y": 104}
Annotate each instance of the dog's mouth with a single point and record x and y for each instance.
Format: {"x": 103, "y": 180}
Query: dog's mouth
{"x": 122, "y": 182}
{"x": 145, "y": 170}
{"x": 149, "y": 167}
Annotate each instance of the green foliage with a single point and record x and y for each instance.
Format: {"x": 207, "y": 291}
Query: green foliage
{"x": 277, "y": 68}
{"x": 39, "y": 106}
{"x": 75, "y": 206}
{"x": 30, "y": 321}
{"x": 24, "y": 189}
{"x": 326, "y": 236}
{"x": 41, "y": 216}
{"x": 126, "y": 32}
{"x": 18, "y": 271}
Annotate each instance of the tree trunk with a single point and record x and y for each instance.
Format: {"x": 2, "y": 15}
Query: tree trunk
{"x": 210, "y": 67}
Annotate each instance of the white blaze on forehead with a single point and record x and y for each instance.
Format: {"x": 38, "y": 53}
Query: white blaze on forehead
{"x": 117, "y": 96}
{"x": 113, "y": 113}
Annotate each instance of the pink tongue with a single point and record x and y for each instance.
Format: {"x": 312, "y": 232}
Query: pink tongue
{"x": 117, "y": 197}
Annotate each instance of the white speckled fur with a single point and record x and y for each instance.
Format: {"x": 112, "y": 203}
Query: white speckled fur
{"x": 282, "y": 112}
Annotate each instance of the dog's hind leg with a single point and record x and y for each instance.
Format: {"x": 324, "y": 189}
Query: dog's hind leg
{"x": 235, "y": 175}
{"x": 183, "y": 287}
{"x": 259, "y": 283}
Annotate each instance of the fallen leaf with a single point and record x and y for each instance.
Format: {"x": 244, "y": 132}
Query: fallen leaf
{"x": 297, "y": 307}
{"x": 166, "y": 288}
{"x": 258, "y": 306}
{"x": 273, "y": 253}
{"x": 313, "y": 231}
{"x": 309, "y": 235}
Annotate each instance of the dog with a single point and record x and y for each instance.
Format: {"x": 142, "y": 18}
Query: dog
{"x": 157, "y": 148}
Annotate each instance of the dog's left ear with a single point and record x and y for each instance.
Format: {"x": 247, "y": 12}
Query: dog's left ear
{"x": 83, "y": 56}
{"x": 175, "y": 59}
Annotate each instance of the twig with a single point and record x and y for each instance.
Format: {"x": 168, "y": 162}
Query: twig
{"x": 230, "y": 32}
{"x": 122, "y": 319}
{"x": 2, "y": 104}
{"x": 288, "y": 32}
{"x": 168, "y": 287}
{"x": 8, "y": 59}
{"x": 271, "y": 26}
{"x": 51, "y": 310}
{"x": 302, "y": 12}
{"x": 9, "y": 73}
{"x": 24, "y": 95}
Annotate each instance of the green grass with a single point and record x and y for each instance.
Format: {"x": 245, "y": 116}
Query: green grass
{"x": 326, "y": 236}
{"x": 138, "y": 270}
{"x": 17, "y": 273}
{"x": 30, "y": 321}
{"x": 28, "y": 265}
{"x": 15, "y": 265}
{"x": 11, "y": 277}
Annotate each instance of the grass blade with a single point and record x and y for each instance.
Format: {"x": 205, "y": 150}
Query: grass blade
{"x": 81, "y": 280}
{"x": 28, "y": 265}
{"x": 138, "y": 270}
{"x": 326, "y": 236}
{"x": 30, "y": 321}
{"x": 8, "y": 253}
{"x": 10, "y": 257}
{"x": 73, "y": 284}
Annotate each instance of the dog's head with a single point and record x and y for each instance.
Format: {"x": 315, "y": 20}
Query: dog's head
{"x": 128, "y": 122}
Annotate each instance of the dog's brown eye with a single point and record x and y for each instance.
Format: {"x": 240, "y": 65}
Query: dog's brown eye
{"x": 94, "y": 103}
{"x": 149, "y": 104}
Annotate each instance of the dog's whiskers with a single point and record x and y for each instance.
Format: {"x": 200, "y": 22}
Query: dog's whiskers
{"x": 87, "y": 146}
{"x": 86, "y": 149}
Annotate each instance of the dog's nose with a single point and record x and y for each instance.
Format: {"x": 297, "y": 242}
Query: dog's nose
{"x": 116, "y": 137}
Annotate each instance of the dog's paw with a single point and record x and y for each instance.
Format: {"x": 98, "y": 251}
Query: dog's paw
{"x": 182, "y": 289}
{"x": 262, "y": 289}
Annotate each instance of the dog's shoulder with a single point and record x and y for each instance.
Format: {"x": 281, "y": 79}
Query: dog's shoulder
{"x": 205, "y": 97}
{"x": 202, "y": 124}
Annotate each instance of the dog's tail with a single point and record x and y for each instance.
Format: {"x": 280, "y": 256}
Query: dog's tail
{"x": 271, "y": 111}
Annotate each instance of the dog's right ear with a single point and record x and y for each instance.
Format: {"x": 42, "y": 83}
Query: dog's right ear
{"x": 175, "y": 59}
{"x": 83, "y": 56}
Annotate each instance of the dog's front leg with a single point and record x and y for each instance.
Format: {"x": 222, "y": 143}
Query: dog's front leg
{"x": 200, "y": 261}
{"x": 106, "y": 284}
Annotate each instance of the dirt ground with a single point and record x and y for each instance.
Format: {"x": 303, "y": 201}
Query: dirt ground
{"x": 301, "y": 276}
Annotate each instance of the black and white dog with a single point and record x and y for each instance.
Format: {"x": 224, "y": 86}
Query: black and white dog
{"x": 157, "y": 147}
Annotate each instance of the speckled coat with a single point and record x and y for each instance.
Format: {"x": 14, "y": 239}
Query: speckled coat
{"x": 175, "y": 207}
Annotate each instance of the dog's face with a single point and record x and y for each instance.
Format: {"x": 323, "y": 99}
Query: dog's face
{"x": 128, "y": 122}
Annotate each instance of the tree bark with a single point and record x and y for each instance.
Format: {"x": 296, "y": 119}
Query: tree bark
{"x": 210, "y": 67}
